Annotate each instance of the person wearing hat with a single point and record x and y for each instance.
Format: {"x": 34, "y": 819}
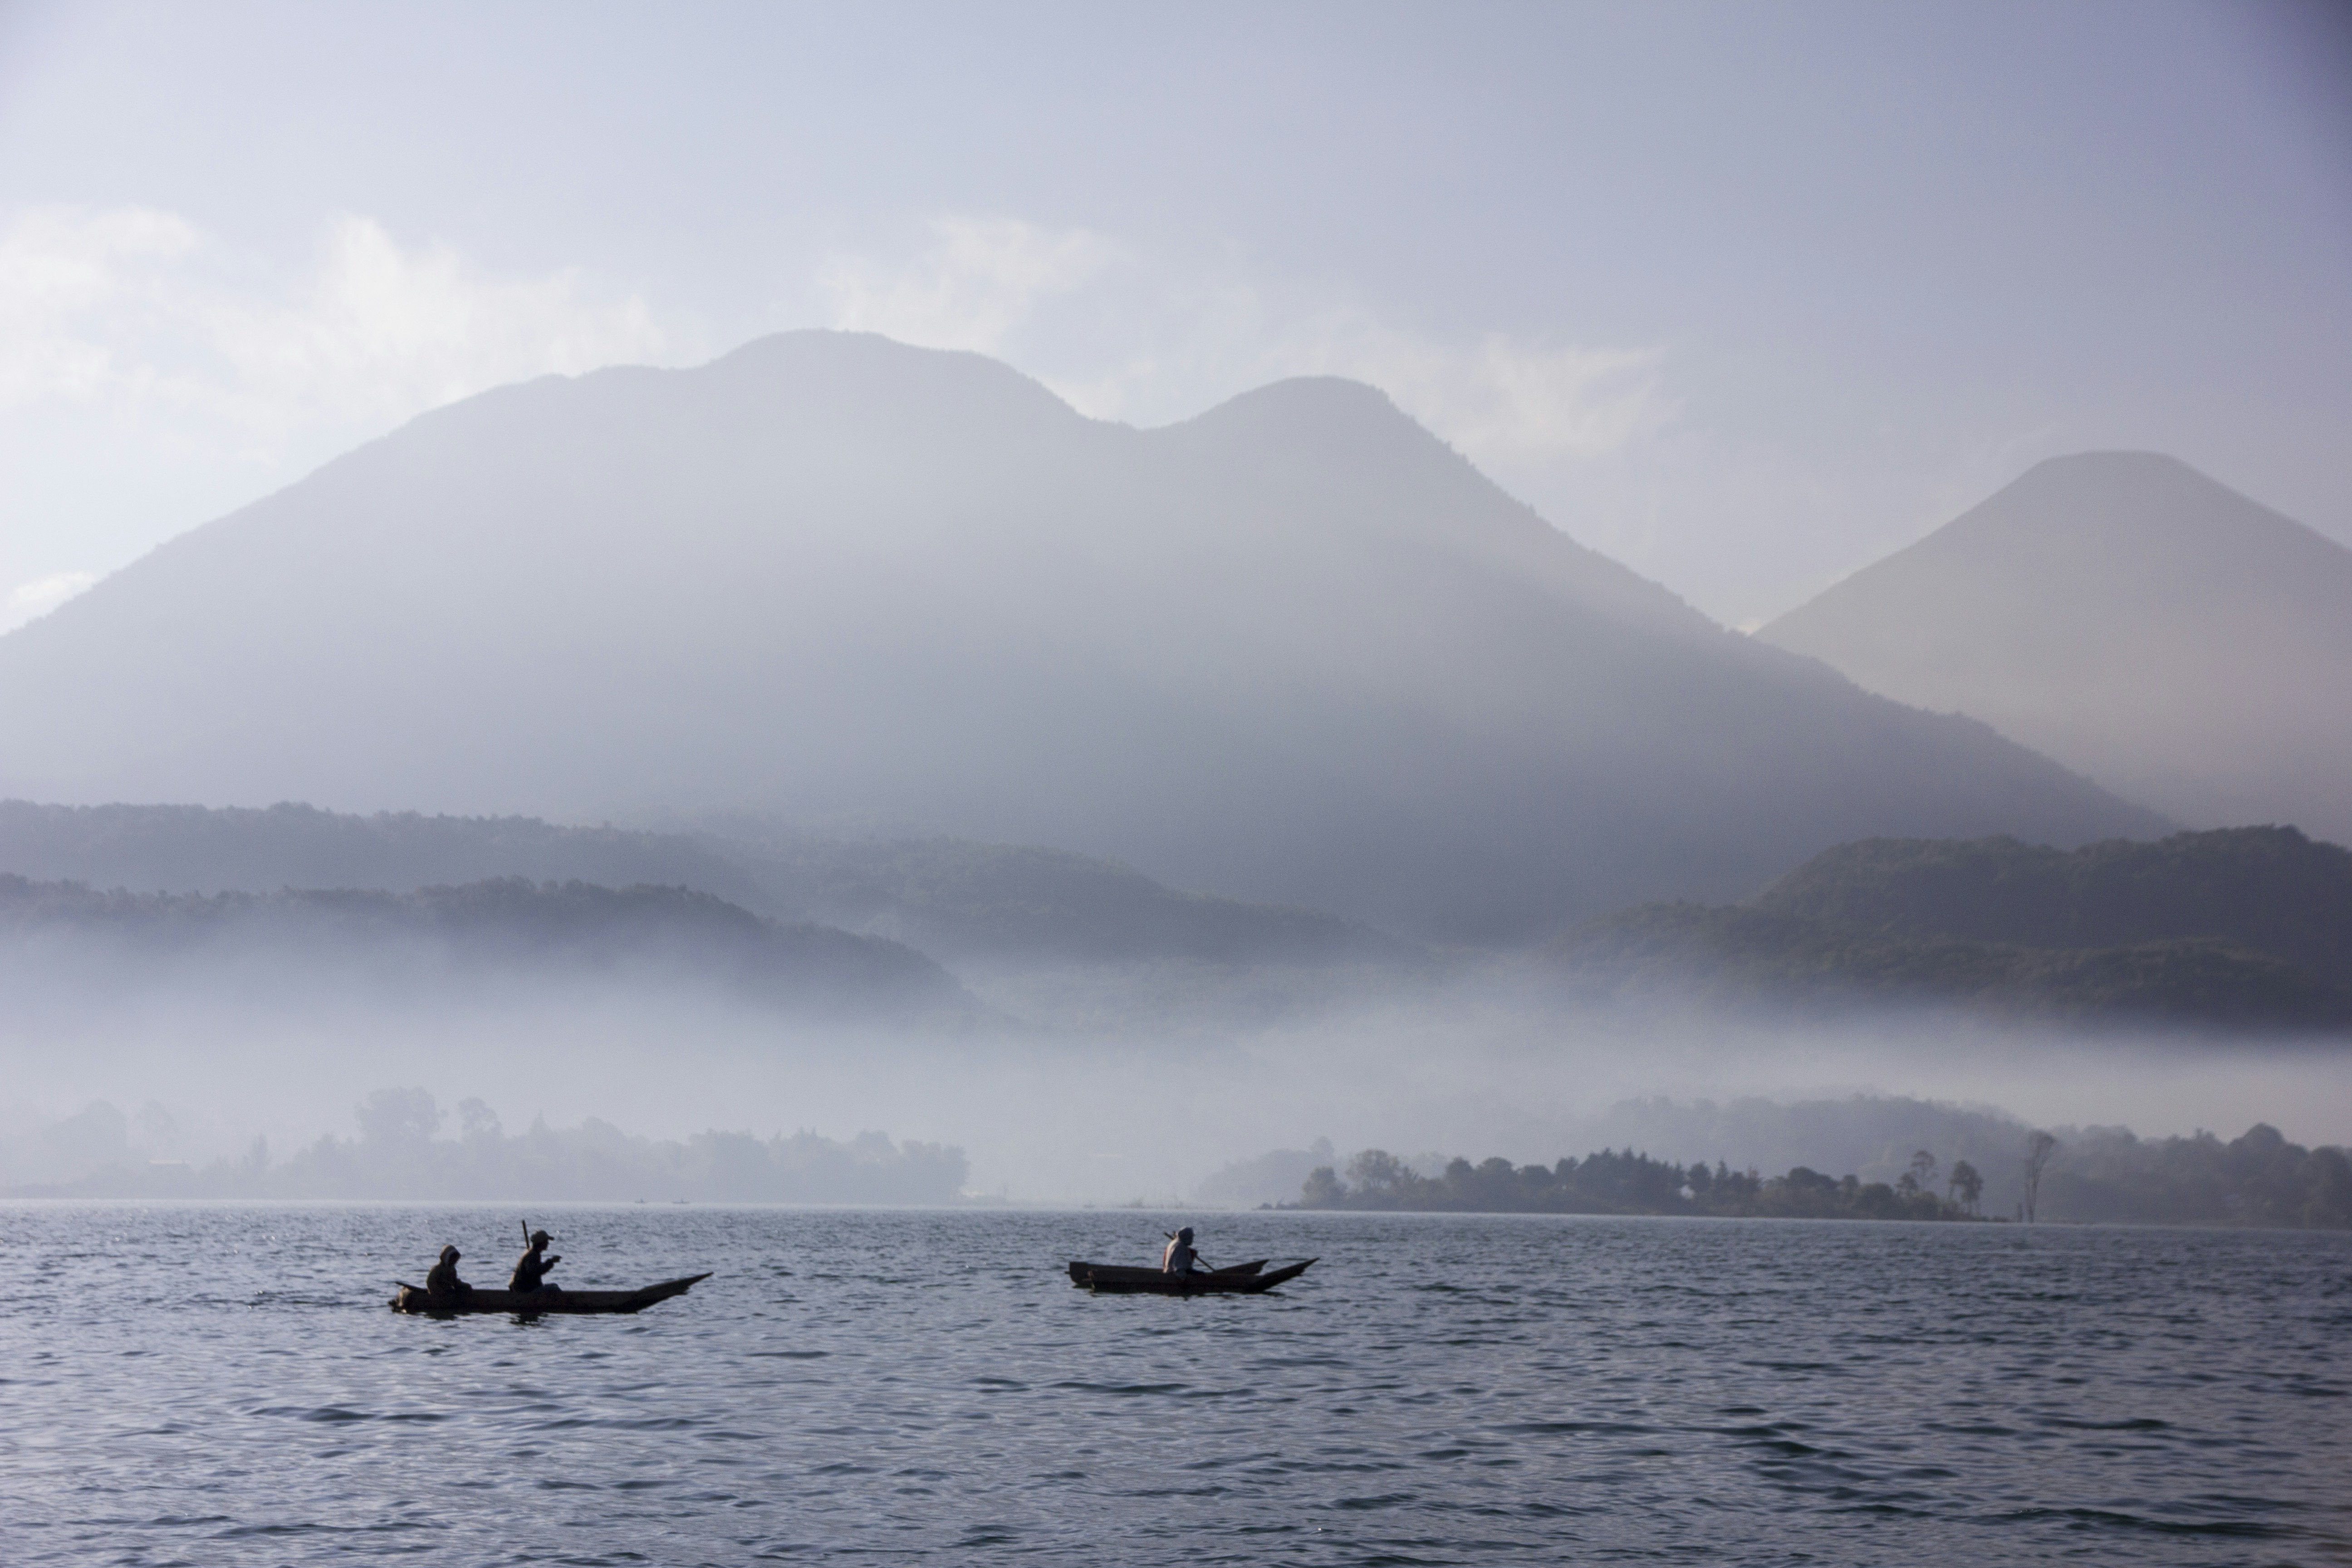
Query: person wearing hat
{"x": 443, "y": 1284}
{"x": 530, "y": 1268}
{"x": 1180, "y": 1257}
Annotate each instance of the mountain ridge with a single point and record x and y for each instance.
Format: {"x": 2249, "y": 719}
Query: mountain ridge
{"x": 1296, "y": 651}
{"x": 2131, "y": 617}
{"x": 947, "y": 898}
{"x": 2246, "y": 929}
{"x": 496, "y": 927}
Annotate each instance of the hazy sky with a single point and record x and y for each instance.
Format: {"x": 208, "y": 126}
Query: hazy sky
{"x": 1743, "y": 295}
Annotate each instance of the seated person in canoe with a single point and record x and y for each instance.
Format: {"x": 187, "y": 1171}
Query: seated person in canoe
{"x": 530, "y": 1268}
{"x": 441, "y": 1283}
{"x": 1179, "y": 1257}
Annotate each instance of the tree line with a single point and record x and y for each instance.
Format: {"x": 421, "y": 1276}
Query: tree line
{"x": 399, "y": 1154}
{"x": 2102, "y": 1175}
{"x": 1627, "y": 1182}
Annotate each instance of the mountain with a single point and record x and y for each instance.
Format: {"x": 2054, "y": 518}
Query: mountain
{"x": 1295, "y": 651}
{"x": 506, "y": 926}
{"x": 2266, "y": 889}
{"x": 2247, "y": 929}
{"x": 2124, "y": 614}
{"x": 196, "y": 849}
{"x": 1747, "y": 959}
{"x": 1012, "y": 901}
{"x": 948, "y": 897}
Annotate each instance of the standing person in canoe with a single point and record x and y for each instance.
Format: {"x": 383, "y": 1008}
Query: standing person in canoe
{"x": 530, "y": 1268}
{"x": 1179, "y": 1257}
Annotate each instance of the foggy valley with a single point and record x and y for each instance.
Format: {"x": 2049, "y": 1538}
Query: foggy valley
{"x": 1893, "y": 985}
{"x": 888, "y": 751}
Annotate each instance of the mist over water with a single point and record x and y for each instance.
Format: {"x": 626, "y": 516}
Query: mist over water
{"x": 1088, "y": 1109}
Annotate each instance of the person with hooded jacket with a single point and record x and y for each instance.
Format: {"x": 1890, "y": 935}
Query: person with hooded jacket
{"x": 441, "y": 1283}
{"x": 1179, "y": 1257}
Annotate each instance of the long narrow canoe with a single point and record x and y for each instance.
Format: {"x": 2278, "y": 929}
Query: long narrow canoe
{"x": 1080, "y": 1273}
{"x": 535, "y": 1302}
{"x": 1108, "y": 1280}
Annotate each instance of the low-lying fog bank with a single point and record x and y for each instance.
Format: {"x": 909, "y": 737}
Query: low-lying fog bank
{"x": 1473, "y": 1066}
{"x": 400, "y": 1153}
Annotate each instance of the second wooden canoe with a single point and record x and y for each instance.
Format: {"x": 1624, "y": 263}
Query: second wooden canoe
{"x": 1081, "y": 1274}
{"x": 1108, "y": 1280}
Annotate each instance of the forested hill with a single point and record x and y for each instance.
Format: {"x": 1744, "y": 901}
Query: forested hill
{"x": 506, "y": 926}
{"x": 2237, "y": 930}
{"x": 2269, "y": 889}
{"x": 949, "y": 898}
{"x": 200, "y": 849}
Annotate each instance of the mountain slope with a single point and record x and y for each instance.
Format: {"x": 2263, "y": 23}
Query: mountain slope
{"x": 511, "y": 926}
{"x": 1296, "y": 650}
{"x": 2268, "y": 890}
{"x": 1748, "y": 959}
{"x": 950, "y": 898}
{"x": 2242, "y": 929}
{"x": 2129, "y": 617}
{"x": 198, "y": 849}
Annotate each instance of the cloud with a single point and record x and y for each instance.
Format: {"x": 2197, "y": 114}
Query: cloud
{"x": 31, "y": 601}
{"x": 981, "y": 280}
{"x": 140, "y": 310}
{"x": 1122, "y": 333}
{"x": 386, "y": 331}
{"x": 207, "y": 362}
{"x": 1499, "y": 399}
{"x": 62, "y": 274}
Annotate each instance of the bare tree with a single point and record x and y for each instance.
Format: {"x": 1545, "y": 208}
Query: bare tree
{"x": 1966, "y": 1186}
{"x": 1923, "y": 1171}
{"x": 2038, "y": 1150}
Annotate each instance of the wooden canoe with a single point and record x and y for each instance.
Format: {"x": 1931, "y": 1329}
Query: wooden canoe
{"x": 1080, "y": 1273}
{"x": 1108, "y": 1280}
{"x": 535, "y": 1303}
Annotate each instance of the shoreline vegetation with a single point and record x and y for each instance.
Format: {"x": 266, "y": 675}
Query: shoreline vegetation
{"x": 398, "y": 1157}
{"x": 2004, "y": 1172}
{"x": 1614, "y": 1183}
{"x": 2257, "y": 1180}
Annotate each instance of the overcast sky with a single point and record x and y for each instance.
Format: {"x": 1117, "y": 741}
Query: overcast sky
{"x": 1745, "y": 296}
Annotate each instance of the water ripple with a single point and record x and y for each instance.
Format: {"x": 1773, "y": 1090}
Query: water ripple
{"x": 222, "y": 1385}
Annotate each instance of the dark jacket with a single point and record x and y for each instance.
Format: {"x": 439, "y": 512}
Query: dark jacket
{"x": 531, "y": 1270}
{"x": 443, "y": 1284}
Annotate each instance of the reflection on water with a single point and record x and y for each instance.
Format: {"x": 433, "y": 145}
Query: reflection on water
{"x": 223, "y": 1383}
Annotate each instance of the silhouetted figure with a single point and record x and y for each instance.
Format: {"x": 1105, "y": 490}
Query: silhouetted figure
{"x": 1179, "y": 1257}
{"x": 443, "y": 1284}
{"x": 530, "y": 1268}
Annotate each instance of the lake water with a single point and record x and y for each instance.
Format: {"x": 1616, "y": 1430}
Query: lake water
{"x": 208, "y": 1385}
